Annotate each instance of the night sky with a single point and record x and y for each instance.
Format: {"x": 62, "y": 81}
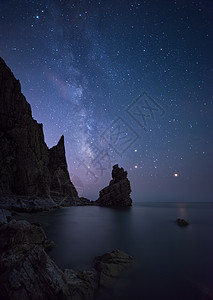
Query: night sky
{"x": 127, "y": 82}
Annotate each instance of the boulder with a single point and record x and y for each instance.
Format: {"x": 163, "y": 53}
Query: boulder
{"x": 117, "y": 193}
{"x": 182, "y": 222}
{"x": 110, "y": 267}
{"x": 27, "y": 272}
{"x": 20, "y": 232}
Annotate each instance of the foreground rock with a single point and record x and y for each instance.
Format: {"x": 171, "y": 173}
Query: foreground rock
{"x": 27, "y": 166}
{"x": 117, "y": 193}
{"x": 27, "y": 272}
{"x": 82, "y": 284}
{"x": 21, "y": 233}
{"x": 110, "y": 266}
{"x": 5, "y": 216}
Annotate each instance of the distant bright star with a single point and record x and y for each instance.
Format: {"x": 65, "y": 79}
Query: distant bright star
{"x": 91, "y": 75}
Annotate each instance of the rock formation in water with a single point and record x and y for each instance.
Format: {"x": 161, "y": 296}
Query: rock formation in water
{"x": 27, "y": 166}
{"x": 182, "y": 222}
{"x": 110, "y": 267}
{"x": 27, "y": 272}
{"x": 117, "y": 193}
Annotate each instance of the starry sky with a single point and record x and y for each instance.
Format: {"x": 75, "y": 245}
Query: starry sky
{"x": 127, "y": 82}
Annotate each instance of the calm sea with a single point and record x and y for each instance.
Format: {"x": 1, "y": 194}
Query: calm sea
{"x": 170, "y": 262}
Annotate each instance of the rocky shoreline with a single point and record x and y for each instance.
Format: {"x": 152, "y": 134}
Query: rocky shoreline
{"x": 33, "y": 204}
{"x": 117, "y": 194}
{"x": 34, "y": 178}
{"x": 27, "y": 271}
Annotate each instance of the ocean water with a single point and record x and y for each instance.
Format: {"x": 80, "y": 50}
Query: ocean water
{"x": 170, "y": 262}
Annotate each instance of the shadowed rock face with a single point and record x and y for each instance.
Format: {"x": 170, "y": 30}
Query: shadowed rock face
{"x": 117, "y": 193}
{"x": 60, "y": 183}
{"x": 27, "y": 166}
{"x": 27, "y": 272}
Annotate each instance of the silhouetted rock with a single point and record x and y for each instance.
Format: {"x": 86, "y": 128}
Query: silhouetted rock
{"x": 118, "y": 174}
{"x": 117, "y": 193}
{"x": 27, "y": 166}
{"x": 60, "y": 184}
{"x": 182, "y": 222}
{"x": 110, "y": 266}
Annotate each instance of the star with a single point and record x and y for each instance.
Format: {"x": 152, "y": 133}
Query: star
{"x": 91, "y": 70}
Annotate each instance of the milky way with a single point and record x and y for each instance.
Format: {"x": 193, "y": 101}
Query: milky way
{"x": 126, "y": 82}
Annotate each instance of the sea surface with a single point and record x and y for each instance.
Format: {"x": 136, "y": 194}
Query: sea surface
{"x": 170, "y": 262}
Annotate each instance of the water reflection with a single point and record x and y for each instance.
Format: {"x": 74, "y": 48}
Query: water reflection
{"x": 171, "y": 262}
{"x": 182, "y": 211}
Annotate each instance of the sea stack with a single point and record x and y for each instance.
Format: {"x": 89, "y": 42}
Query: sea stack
{"x": 27, "y": 166}
{"x": 117, "y": 193}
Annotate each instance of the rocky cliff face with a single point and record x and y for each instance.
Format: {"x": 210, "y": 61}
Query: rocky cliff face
{"x": 117, "y": 193}
{"x": 27, "y": 166}
{"x": 60, "y": 183}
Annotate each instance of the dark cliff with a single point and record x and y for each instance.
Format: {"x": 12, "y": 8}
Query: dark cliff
{"x": 27, "y": 166}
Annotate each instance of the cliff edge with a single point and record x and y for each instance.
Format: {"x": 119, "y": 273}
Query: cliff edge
{"x": 27, "y": 166}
